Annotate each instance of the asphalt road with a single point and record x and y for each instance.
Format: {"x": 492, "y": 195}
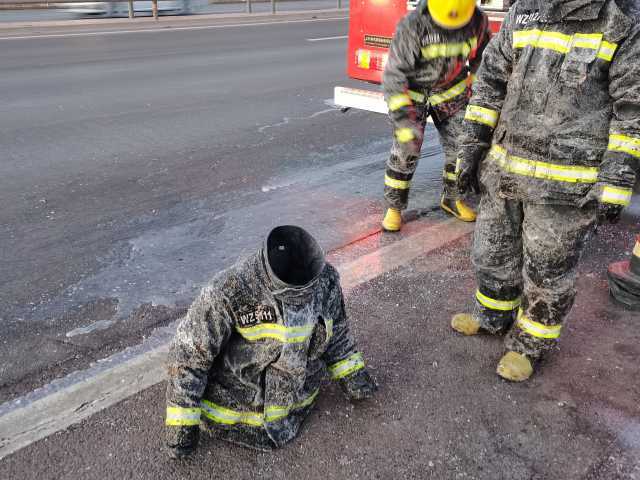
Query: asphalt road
{"x": 136, "y": 165}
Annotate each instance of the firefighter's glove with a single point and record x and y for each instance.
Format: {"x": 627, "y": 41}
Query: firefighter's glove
{"x": 466, "y": 177}
{"x": 607, "y": 212}
{"x": 409, "y": 138}
{"x": 181, "y": 441}
{"x": 359, "y": 386}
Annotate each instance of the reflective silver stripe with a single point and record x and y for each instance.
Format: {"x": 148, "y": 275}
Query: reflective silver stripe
{"x": 458, "y": 89}
{"x": 493, "y": 304}
{"x": 624, "y": 143}
{"x": 615, "y": 195}
{"x": 397, "y": 184}
{"x": 347, "y": 366}
{"x": 538, "y": 330}
{"x": 179, "y": 416}
{"x": 482, "y": 115}
{"x": 276, "y": 332}
{"x": 542, "y": 170}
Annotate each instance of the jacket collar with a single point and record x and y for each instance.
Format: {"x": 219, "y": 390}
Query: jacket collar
{"x": 552, "y": 11}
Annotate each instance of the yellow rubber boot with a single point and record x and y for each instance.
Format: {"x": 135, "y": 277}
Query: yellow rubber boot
{"x": 515, "y": 367}
{"x": 392, "y": 220}
{"x": 465, "y": 323}
{"x": 458, "y": 209}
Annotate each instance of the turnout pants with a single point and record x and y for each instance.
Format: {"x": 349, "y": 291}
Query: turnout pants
{"x": 525, "y": 257}
{"x": 402, "y": 163}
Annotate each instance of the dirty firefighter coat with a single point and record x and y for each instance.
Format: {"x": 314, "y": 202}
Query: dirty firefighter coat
{"x": 250, "y": 354}
{"x": 560, "y": 84}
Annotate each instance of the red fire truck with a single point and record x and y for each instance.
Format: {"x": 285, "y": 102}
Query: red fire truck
{"x": 371, "y": 27}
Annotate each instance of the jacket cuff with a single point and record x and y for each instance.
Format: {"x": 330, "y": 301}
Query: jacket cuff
{"x": 611, "y": 194}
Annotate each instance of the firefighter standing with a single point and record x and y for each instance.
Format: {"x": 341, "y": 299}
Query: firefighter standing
{"x": 432, "y": 55}
{"x": 249, "y": 356}
{"x": 552, "y": 134}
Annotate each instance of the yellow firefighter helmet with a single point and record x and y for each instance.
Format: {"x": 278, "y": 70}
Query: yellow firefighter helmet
{"x": 451, "y": 14}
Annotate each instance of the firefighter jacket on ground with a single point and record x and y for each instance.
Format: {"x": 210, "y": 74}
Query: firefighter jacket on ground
{"x": 554, "y": 117}
{"x": 248, "y": 359}
{"x": 428, "y": 72}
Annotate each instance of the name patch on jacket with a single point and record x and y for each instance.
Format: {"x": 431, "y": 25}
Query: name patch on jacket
{"x": 259, "y": 314}
{"x": 525, "y": 18}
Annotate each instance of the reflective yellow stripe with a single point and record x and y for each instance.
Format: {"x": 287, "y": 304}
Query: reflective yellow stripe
{"x": 458, "y": 165}
{"x": 345, "y": 367}
{"x": 624, "y": 143}
{"x": 396, "y": 102}
{"x": 178, "y": 416}
{"x": 493, "y": 304}
{"x": 446, "y": 50}
{"x": 458, "y": 89}
{"x": 617, "y": 196}
{"x": 227, "y": 416}
{"x": 607, "y": 50}
{"x": 416, "y": 96}
{"x": 450, "y": 176}
{"x": 636, "y": 250}
{"x": 273, "y": 413}
{"x": 276, "y": 332}
{"x": 482, "y": 115}
{"x": 404, "y": 135}
{"x": 538, "y": 330}
{"x": 562, "y": 43}
{"x": 398, "y": 184}
{"x": 542, "y": 170}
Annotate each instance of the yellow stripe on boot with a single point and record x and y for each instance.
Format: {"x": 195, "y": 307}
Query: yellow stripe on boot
{"x": 392, "y": 220}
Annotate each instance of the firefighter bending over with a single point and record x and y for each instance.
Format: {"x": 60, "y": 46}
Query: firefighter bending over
{"x": 432, "y": 55}
{"x": 552, "y": 134}
{"x": 248, "y": 359}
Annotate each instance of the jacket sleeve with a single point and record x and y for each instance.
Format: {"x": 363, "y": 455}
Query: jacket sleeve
{"x": 489, "y": 92}
{"x": 341, "y": 357}
{"x": 484, "y": 35}
{"x": 621, "y": 160}
{"x": 200, "y": 336}
{"x": 404, "y": 53}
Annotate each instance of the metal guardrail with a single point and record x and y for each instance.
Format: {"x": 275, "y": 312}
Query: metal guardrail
{"x": 154, "y": 4}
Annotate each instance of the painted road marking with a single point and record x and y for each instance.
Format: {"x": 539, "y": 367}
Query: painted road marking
{"x": 322, "y": 39}
{"x": 167, "y": 29}
{"x": 29, "y": 421}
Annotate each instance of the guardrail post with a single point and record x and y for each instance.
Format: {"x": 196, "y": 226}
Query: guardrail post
{"x": 273, "y": 6}
{"x": 154, "y": 9}
{"x": 248, "y": 6}
{"x": 131, "y": 9}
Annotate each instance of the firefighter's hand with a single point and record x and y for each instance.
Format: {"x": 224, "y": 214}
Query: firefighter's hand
{"x": 359, "y": 386}
{"x": 409, "y": 138}
{"x": 607, "y": 212}
{"x": 181, "y": 441}
{"x": 467, "y": 177}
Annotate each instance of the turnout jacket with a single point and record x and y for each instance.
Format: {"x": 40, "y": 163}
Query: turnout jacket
{"x": 555, "y": 110}
{"x": 249, "y": 356}
{"x": 428, "y": 64}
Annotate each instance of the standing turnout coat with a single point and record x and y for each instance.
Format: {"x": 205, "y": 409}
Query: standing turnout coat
{"x": 428, "y": 72}
{"x": 556, "y": 104}
{"x": 248, "y": 359}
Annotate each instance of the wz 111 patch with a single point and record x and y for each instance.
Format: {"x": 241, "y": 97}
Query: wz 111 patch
{"x": 256, "y": 315}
